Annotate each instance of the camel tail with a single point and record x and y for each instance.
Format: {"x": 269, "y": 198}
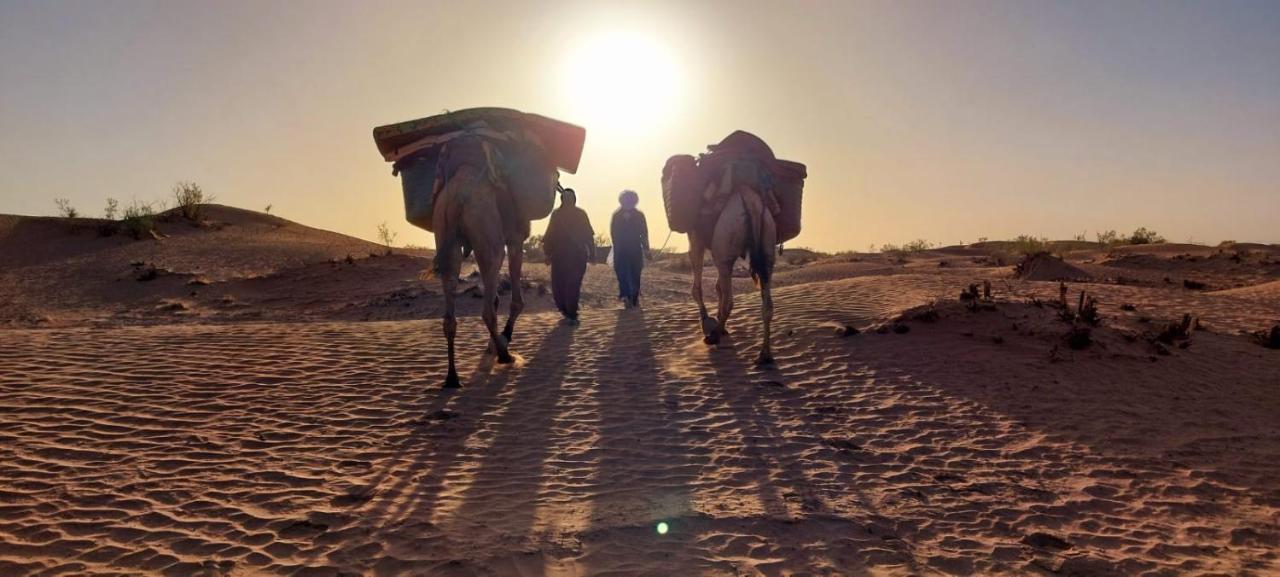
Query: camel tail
{"x": 758, "y": 253}
{"x": 760, "y": 264}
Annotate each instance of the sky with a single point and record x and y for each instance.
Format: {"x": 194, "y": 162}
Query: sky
{"x": 944, "y": 121}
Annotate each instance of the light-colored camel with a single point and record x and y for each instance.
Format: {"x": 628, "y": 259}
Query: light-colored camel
{"x": 471, "y": 211}
{"x": 743, "y": 227}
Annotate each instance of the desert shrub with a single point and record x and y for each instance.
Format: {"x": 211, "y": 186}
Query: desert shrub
{"x": 1107, "y": 239}
{"x": 800, "y": 256}
{"x": 189, "y": 199}
{"x": 917, "y": 245}
{"x": 65, "y": 209}
{"x": 1080, "y": 237}
{"x": 386, "y": 236}
{"x": 533, "y": 249}
{"x": 1144, "y": 236}
{"x": 113, "y": 208}
{"x": 1026, "y": 244}
{"x": 268, "y": 209}
{"x": 139, "y": 219}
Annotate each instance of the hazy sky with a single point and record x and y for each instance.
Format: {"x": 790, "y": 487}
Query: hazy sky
{"x": 942, "y": 120}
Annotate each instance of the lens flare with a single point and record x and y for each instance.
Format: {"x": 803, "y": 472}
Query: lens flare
{"x": 663, "y": 528}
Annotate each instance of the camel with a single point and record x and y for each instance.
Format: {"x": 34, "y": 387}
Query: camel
{"x": 743, "y": 227}
{"x": 472, "y": 213}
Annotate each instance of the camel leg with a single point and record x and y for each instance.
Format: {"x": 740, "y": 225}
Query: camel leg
{"x": 696, "y": 251}
{"x": 724, "y": 289}
{"x": 766, "y": 316}
{"x": 450, "y": 261}
{"x": 515, "y": 262}
{"x": 489, "y": 264}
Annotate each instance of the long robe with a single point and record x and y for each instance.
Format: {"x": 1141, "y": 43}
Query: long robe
{"x": 630, "y": 235}
{"x": 569, "y": 243}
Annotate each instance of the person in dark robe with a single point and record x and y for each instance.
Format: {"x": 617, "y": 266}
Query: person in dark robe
{"x": 630, "y": 235}
{"x": 569, "y": 244}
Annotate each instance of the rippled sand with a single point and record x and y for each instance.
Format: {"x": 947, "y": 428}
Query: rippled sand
{"x": 976, "y": 444}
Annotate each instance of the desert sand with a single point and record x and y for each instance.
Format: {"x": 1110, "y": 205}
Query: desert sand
{"x": 255, "y": 397}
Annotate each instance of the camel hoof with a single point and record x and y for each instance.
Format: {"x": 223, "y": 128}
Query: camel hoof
{"x": 452, "y": 382}
{"x": 712, "y": 339}
{"x": 505, "y": 358}
{"x": 764, "y": 360}
{"x": 708, "y": 326}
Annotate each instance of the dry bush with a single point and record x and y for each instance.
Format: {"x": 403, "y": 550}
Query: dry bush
{"x": 1144, "y": 236}
{"x": 386, "y": 236}
{"x": 65, "y": 209}
{"x": 1027, "y": 245}
{"x": 800, "y": 256}
{"x": 533, "y": 249}
{"x": 190, "y": 199}
{"x": 139, "y": 219}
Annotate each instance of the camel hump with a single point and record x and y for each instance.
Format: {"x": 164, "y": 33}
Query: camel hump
{"x": 743, "y": 144}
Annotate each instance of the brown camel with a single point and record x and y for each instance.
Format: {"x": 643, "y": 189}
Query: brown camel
{"x": 472, "y": 212}
{"x": 743, "y": 227}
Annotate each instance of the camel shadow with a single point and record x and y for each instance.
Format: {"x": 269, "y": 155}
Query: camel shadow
{"x": 435, "y": 446}
{"x": 501, "y": 498}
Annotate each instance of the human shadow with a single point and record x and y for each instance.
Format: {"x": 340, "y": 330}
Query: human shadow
{"x": 797, "y": 461}
{"x": 643, "y": 473}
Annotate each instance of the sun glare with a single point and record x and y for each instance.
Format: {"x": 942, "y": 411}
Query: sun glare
{"x": 621, "y": 84}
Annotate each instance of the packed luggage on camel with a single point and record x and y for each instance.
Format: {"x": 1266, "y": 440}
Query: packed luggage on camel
{"x": 476, "y": 178}
{"x": 738, "y": 200}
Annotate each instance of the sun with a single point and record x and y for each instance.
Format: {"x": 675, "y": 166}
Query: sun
{"x": 621, "y": 84}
